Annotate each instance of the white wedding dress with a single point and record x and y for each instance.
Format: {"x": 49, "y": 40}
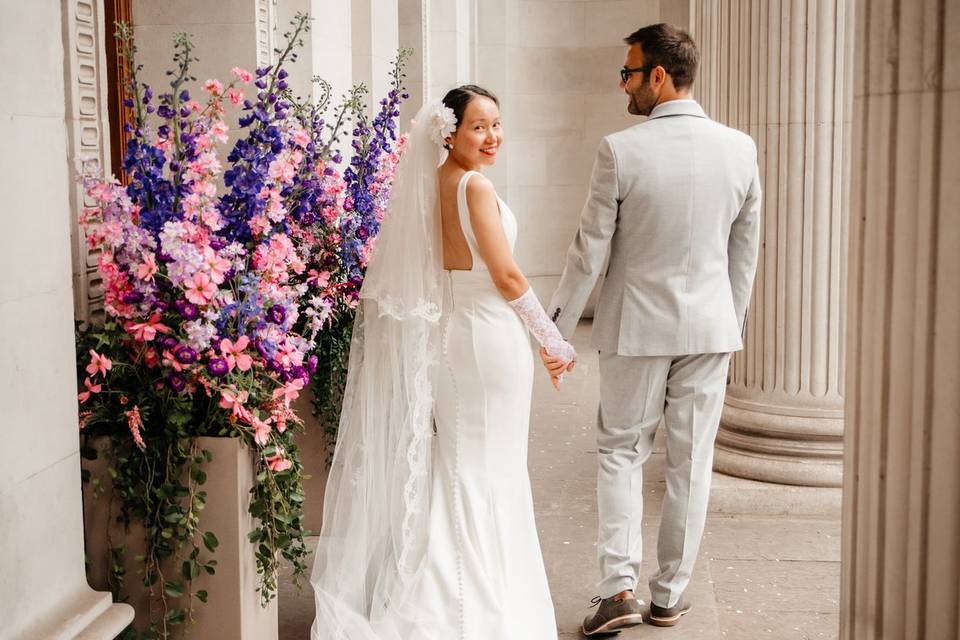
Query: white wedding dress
{"x": 484, "y": 576}
{"x": 428, "y": 523}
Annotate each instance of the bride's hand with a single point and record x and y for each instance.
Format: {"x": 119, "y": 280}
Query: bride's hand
{"x": 555, "y": 366}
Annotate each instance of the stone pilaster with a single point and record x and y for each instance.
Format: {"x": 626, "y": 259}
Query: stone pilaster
{"x": 779, "y": 71}
{"x": 43, "y": 588}
{"x": 901, "y": 513}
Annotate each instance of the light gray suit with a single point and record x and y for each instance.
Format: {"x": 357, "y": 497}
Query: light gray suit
{"x": 675, "y": 202}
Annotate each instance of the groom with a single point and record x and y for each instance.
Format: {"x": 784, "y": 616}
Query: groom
{"x": 675, "y": 202}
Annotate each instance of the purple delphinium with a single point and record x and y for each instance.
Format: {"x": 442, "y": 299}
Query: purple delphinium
{"x": 370, "y": 142}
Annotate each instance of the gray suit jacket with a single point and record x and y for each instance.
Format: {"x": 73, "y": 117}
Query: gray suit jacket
{"x": 675, "y": 200}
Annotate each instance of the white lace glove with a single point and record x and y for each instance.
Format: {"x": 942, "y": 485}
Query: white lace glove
{"x": 541, "y": 328}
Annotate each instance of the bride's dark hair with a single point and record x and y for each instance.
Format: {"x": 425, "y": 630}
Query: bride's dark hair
{"x": 458, "y": 99}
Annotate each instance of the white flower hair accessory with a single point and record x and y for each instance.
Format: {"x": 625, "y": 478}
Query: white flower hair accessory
{"x": 442, "y": 122}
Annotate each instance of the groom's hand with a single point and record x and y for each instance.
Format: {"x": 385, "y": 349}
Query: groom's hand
{"x": 556, "y": 367}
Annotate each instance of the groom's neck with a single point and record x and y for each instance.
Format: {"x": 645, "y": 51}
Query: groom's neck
{"x": 669, "y": 93}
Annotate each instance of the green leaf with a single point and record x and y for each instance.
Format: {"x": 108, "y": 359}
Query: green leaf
{"x": 210, "y": 541}
{"x": 176, "y": 616}
{"x": 202, "y": 595}
{"x": 173, "y": 588}
{"x": 190, "y": 569}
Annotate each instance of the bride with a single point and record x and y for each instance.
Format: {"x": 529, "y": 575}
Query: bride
{"x": 428, "y": 525}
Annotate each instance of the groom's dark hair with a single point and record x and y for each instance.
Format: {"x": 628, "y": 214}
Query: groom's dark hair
{"x": 669, "y": 47}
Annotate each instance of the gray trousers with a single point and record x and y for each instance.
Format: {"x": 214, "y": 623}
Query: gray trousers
{"x": 636, "y": 392}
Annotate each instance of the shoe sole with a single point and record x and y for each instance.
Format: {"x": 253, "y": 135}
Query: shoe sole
{"x": 614, "y": 626}
{"x": 666, "y": 622}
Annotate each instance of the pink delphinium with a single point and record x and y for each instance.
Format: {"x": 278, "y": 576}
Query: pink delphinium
{"x": 242, "y": 75}
{"x": 214, "y": 87}
{"x": 135, "y": 423}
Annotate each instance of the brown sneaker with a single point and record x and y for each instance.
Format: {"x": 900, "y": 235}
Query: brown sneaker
{"x": 667, "y": 616}
{"x": 615, "y": 613}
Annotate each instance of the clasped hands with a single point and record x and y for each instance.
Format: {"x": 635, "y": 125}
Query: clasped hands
{"x": 556, "y": 367}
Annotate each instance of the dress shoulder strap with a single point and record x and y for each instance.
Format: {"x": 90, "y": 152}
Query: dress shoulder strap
{"x": 463, "y": 213}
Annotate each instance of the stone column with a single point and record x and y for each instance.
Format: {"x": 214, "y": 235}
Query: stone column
{"x": 43, "y": 588}
{"x": 779, "y": 71}
{"x": 901, "y": 512}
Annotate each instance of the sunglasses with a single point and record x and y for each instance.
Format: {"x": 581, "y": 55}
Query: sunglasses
{"x": 626, "y": 71}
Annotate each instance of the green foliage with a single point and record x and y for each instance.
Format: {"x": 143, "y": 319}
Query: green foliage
{"x": 327, "y": 385}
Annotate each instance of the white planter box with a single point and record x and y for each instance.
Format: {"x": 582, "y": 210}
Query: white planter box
{"x": 233, "y": 610}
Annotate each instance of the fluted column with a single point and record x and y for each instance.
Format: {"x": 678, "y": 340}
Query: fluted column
{"x": 779, "y": 71}
{"x": 901, "y": 514}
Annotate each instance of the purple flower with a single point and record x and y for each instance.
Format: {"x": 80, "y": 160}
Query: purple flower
{"x": 277, "y": 314}
{"x": 132, "y": 297}
{"x": 312, "y": 363}
{"x": 168, "y": 342}
{"x": 185, "y": 355}
{"x": 177, "y": 381}
{"x": 186, "y": 309}
{"x": 218, "y": 367}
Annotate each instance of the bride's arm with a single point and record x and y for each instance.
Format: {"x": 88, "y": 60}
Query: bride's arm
{"x": 491, "y": 240}
{"x": 509, "y": 280}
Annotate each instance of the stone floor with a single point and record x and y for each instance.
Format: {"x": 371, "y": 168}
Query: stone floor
{"x": 769, "y": 563}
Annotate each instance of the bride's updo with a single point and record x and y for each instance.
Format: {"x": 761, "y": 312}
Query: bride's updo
{"x": 458, "y": 99}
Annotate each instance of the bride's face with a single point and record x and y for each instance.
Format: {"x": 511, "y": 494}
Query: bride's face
{"x": 479, "y": 136}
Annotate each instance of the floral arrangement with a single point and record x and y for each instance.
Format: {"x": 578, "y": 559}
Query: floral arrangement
{"x": 221, "y": 276}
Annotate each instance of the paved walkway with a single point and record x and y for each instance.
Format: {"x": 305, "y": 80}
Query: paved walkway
{"x": 758, "y": 576}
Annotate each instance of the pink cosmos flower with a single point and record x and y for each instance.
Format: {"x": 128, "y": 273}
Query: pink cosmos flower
{"x": 213, "y": 86}
{"x": 147, "y": 268}
{"x": 147, "y": 331}
{"x": 91, "y": 389}
{"x": 289, "y": 391}
{"x": 242, "y": 74}
{"x": 320, "y": 279}
{"x": 200, "y": 289}
{"x": 99, "y": 363}
{"x": 235, "y": 95}
{"x": 217, "y": 265}
{"x": 135, "y": 424}
{"x": 233, "y": 352}
{"x": 261, "y": 430}
{"x": 278, "y": 462}
{"x": 234, "y": 400}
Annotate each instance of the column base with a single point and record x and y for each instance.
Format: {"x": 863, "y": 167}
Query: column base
{"x": 785, "y": 445}
{"x": 92, "y": 615}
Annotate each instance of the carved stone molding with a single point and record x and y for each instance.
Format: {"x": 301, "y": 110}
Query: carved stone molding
{"x": 88, "y": 133}
{"x": 266, "y": 31}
